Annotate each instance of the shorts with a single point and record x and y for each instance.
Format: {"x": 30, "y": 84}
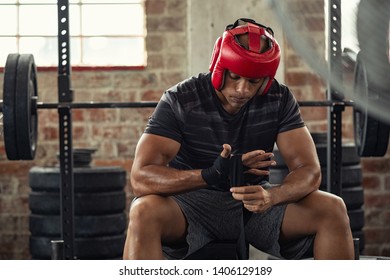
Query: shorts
{"x": 215, "y": 215}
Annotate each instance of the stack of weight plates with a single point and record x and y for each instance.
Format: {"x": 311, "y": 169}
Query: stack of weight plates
{"x": 99, "y": 218}
{"x": 351, "y": 189}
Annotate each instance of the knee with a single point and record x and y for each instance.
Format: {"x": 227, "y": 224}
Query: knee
{"x": 335, "y": 209}
{"x": 144, "y": 209}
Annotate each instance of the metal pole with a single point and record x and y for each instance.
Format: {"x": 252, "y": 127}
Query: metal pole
{"x": 334, "y": 152}
{"x": 65, "y": 96}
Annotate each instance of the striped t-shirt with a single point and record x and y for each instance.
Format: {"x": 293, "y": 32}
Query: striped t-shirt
{"x": 191, "y": 114}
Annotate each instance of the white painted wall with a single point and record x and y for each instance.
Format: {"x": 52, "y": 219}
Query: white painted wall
{"x": 207, "y": 20}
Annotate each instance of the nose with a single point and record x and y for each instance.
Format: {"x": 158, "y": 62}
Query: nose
{"x": 242, "y": 87}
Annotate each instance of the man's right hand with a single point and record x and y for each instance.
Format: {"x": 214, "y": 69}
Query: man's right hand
{"x": 219, "y": 171}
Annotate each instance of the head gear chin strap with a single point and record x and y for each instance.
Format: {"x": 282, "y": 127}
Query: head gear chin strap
{"x": 229, "y": 54}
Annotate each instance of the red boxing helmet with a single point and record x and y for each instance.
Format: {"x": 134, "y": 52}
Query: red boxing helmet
{"x": 229, "y": 54}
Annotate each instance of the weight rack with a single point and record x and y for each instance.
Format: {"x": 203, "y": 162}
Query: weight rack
{"x": 65, "y": 96}
{"x": 64, "y": 248}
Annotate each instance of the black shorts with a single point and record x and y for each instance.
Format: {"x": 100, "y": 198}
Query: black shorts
{"x": 215, "y": 215}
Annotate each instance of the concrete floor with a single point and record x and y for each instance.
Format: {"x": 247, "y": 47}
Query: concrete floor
{"x": 255, "y": 254}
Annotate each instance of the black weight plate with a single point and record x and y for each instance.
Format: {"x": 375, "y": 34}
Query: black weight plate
{"x": 48, "y": 203}
{"x": 85, "y": 226}
{"x": 9, "y": 93}
{"x": 371, "y": 134}
{"x": 93, "y": 248}
{"x": 86, "y": 179}
{"x": 353, "y": 197}
{"x": 319, "y": 137}
{"x": 350, "y": 176}
{"x": 356, "y": 219}
{"x": 382, "y": 139}
{"x": 349, "y": 154}
{"x": 25, "y": 106}
{"x": 365, "y": 127}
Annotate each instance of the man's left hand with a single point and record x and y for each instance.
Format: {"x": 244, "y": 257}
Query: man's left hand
{"x": 255, "y": 198}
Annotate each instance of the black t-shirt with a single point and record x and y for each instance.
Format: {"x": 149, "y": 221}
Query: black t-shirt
{"x": 191, "y": 114}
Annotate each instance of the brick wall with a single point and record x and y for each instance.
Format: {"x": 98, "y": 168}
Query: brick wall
{"x": 114, "y": 132}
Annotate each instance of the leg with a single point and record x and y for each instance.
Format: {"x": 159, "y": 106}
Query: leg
{"x": 153, "y": 219}
{"x": 324, "y": 215}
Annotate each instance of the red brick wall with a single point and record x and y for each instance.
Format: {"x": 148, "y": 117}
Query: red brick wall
{"x": 115, "y": 132}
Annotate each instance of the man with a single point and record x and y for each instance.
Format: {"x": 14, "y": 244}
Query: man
{"x": 181, "y": 176}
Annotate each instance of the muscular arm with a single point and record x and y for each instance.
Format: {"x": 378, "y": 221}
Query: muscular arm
{"x": 299, "y": 153}
{"x": 150, "y": 173}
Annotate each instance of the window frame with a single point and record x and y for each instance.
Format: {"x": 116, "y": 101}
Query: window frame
{"x": 80, "y": 35}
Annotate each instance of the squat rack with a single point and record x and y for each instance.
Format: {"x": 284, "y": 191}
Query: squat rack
{"x": 64, "y": 248}
{"x": 65, "y": 96}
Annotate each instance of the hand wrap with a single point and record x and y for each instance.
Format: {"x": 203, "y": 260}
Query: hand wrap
{"x": 218, "y": 172}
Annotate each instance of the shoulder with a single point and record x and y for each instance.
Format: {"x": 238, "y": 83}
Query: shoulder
{"x": 279, "y": 89}
{"x": 190, "y": 90}
{"x": 281, "y": 94}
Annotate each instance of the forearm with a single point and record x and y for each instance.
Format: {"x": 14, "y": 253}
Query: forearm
{"x": 296, "y": 185}
{"x": 162, "y": 180}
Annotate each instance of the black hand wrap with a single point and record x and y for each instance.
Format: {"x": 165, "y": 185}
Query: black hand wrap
{"x": 218, "y": 172}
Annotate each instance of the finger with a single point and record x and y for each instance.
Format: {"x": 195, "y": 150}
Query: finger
{"x": 257, "y": 155}
{"x": 246, "y": 189}
{"x": 256, "y": 208}
{"x": 244, "y": 197}
{"x": 253, "y": 154}
{"x": 262, "y": 158}
{"x": 262, "y": 164}
{"x": 258, "y": 172}
{"x": 227, "y": 149}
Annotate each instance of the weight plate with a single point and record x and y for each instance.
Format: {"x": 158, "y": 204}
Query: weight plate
{"x": 25, "y": 107}
{"x": 84, "y": 203}
{"x": 356, "y": 219}
{"x": 353, "y": 197}
{"x": 86, "y": 179}
{"x": 85, "y": 226}
{"x": 9, "y": 92}
{"x": 371, "y": 135}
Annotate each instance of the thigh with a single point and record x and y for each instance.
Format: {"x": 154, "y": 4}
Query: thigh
{"x": 303, "y": 218}
{"x": 161, "y": 214}
{"x": 263, "y": 229}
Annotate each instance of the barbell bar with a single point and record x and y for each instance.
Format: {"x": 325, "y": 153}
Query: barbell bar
{"x": 20, "y": 111}
{"x": 152, "y": 104}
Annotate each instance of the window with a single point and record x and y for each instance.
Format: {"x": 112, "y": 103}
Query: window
{"x": 348, "y": 24}
{"x": 102, "y": 33}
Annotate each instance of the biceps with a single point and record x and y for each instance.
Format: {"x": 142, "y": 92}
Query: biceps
{"x": 297, "y": 148}
{"x": 155, "y": 150}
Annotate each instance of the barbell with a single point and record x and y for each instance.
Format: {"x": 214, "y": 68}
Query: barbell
{"x": 371, "y": 134}
{"x": 20, "y": 112}
{"x": 20, "y": 106}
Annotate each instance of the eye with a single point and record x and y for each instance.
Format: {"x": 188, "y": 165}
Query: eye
{"x": 255, "y": 81}
{"x": 234, "y": 76}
